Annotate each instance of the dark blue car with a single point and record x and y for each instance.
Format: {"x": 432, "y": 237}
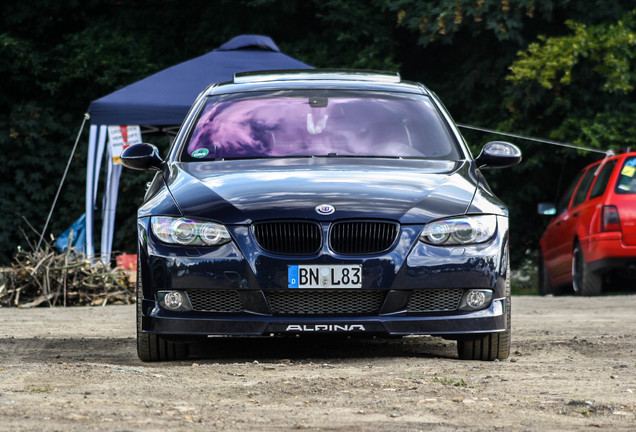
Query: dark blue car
{"x": 321, "y": 201}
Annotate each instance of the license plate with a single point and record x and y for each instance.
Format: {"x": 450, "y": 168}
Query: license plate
{"x": 321, "y": 276}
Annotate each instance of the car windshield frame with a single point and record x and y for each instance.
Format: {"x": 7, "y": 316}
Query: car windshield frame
{"x": 266, "y": 124}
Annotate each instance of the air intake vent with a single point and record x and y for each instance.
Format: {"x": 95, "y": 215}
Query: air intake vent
{"x": 362, "y": 237}
{"x": 289, "y": 237}
{"x": 220, "y": 301}
{"x": 325, "y": 302}
{"x": 435, "y": 300}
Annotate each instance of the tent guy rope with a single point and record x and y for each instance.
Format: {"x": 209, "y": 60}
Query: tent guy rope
{"x": 59, "y": 189}
{"x": 556, "y": 143}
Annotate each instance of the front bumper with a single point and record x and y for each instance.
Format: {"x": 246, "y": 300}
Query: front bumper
{"x": 487, "y": 320}
{"x": 241, "y": 267}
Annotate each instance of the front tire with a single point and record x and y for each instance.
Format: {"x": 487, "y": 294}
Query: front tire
{"x": 584, "y": 281}
{"x": 492, "y": 346}
{"x": 152, "y": 347}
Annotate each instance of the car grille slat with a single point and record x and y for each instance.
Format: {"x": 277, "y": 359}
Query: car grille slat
{"x": 346, "y": 238}
{"x": 325, "y": 302}
{"x": 220, "y": 301}
{"x": 435, "y": 300}
{"x": 362, "y": 237}
{"x": 289, "y": 237}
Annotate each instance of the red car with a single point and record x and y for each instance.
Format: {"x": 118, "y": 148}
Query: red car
{"x": 593, "y": 232}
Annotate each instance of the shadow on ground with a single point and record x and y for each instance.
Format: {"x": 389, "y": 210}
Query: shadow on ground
{"x": 122, "y": 351}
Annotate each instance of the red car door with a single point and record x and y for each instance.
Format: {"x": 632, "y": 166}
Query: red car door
{"x": 555, "y": 243}
{"x": 584, "y": 212}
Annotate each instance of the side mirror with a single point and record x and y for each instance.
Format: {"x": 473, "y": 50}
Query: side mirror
{"x": 498, "y": 154}
{"x": 142, "y": 157}
{"x": 546, "y": 209}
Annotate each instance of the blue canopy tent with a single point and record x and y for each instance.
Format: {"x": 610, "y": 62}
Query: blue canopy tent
{"x": 160, "y": 102}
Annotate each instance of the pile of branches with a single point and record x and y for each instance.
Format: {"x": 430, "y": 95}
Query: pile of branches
{"x": 46, "y": 277}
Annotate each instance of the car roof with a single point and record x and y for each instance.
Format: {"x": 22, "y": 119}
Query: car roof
{"x": 316, "y": 79}
{"x": 618, "y": 156}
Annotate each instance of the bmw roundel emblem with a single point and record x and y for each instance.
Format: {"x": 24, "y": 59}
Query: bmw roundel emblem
{"x": 325, "y": 209}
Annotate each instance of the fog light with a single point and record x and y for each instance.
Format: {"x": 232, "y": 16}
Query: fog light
{"x": 476, "y": 299}
{"x": 174, "y": 300}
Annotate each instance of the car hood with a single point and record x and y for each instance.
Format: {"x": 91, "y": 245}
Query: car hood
{"x": 243, "y": 191}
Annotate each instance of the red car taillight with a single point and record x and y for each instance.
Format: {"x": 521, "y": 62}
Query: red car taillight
{"x": 611, "y": 221}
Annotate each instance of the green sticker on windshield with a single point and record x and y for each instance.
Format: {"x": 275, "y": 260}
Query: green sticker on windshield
{"x": 200, "y": 153}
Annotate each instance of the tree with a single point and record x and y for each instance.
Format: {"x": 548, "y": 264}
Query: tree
{"x": 577, "y": 87}
{"x": 586, "y": 79}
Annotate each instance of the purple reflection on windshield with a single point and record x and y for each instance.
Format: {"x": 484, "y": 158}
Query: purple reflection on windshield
{"x": 347, "y": 126}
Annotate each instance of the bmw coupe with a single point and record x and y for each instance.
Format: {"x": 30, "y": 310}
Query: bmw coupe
{"x": 321, "y": 201}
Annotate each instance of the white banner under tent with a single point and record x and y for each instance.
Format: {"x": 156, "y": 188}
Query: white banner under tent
{"x": 112, "y": 140}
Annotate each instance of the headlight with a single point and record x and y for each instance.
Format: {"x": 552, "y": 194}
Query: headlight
{"x": 460, "y": 231}
{"x": 188, "y": 232}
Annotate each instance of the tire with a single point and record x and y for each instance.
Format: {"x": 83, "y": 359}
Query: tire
{"x": 584, "y": 281}
{"x": 545, "y": 286}
{"x": 152, "y": 347}
{"x": 492, "y": 346}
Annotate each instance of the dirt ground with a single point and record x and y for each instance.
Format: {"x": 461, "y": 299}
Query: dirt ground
{"x": 573, "y": 367}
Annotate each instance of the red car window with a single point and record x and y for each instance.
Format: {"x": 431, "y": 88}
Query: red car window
{"x": 584, "y": 187}
{"x": 602, "y": 179}
{"x": 562, "y": 205}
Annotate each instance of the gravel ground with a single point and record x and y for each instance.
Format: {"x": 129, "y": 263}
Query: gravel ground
{"x": 572, "y": 367}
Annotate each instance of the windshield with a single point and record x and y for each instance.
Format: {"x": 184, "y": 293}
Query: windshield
{"x": 319, "y": 123}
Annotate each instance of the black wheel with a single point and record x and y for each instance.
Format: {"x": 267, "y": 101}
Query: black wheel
{"x": 492, "y": 346}
{"x": 152, "y": 347}
{"x": 545, "y": 286}
{"x": 584, "y": 281}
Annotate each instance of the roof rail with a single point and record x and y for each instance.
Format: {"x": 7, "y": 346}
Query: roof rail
{"x": 317, "y": 74}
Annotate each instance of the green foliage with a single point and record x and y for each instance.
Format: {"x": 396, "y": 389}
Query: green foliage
{"x": 609, "y": 51}
{"x": 341, "y": 33}
{"x": 100, "y": 56}
{"x": 444, "y": 20}
{"x": 587, "y": 78}
{"x": 27, "y": 132}
{"x": 581, "y": 85}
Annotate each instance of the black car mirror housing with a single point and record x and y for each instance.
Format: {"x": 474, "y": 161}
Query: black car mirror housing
{"x": 498, "y": 154}
{"x": 142, "y": 156}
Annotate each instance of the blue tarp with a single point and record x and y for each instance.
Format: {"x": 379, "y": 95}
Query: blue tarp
{"x": 76, "y": 233}
{"x": 165, "y": 97}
